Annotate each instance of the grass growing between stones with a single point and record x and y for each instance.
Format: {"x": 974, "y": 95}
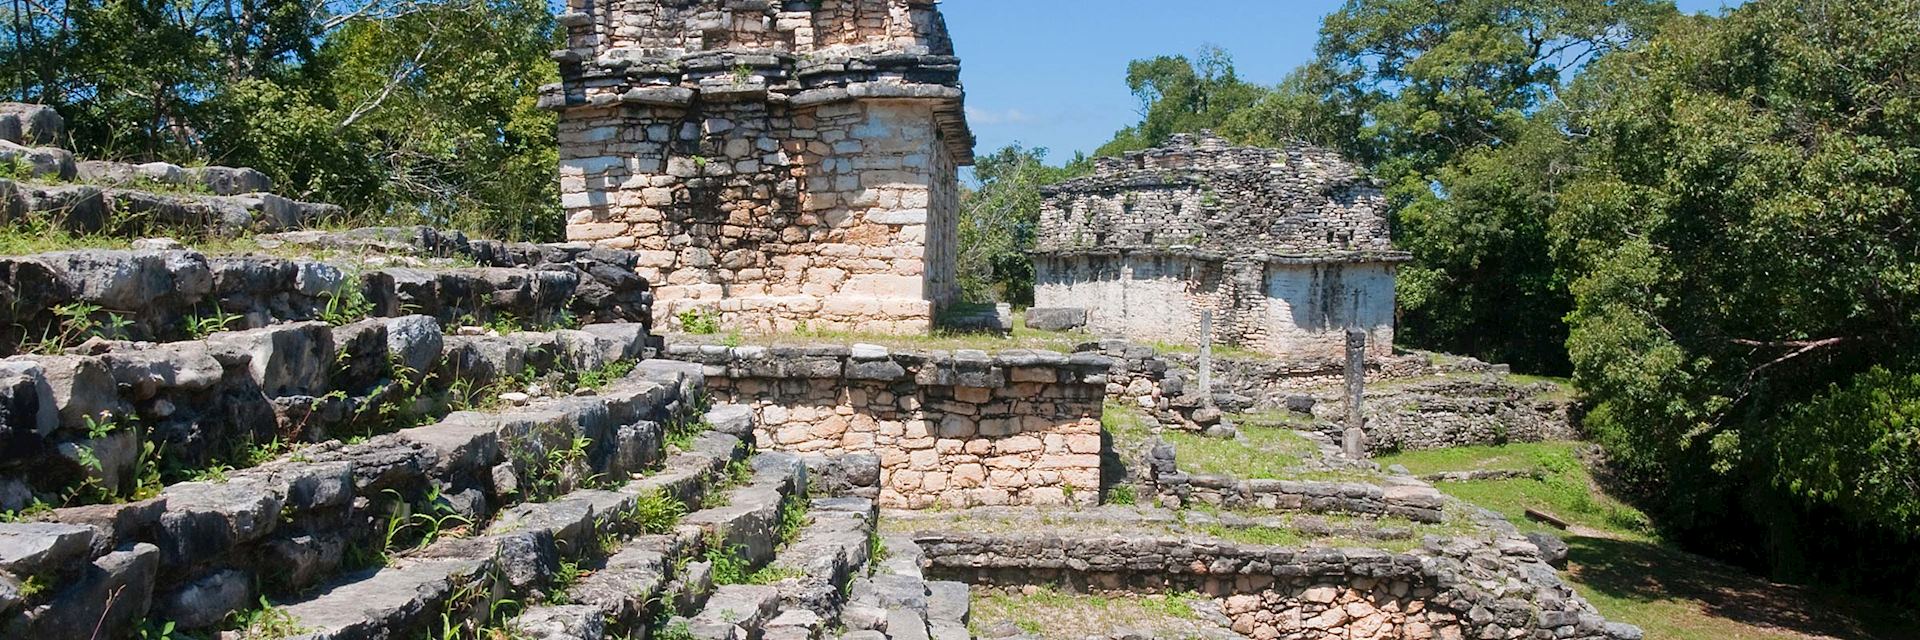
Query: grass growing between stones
{"x": 1051, "y": 613}
{"x": 1255, "y": 455}
{"x": 1258, "y": 453}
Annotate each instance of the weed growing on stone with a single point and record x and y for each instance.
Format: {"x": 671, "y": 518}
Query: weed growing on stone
{"x": 211, "y": 473}
{"x": 699, "y": 322}
{"x": 563, "y": 579}
{"x": 725, "y": 563}
{"x": 680, "y": 432}
{"x": 32, "y": 587}
{"x": 676, "y": 630}
{"x": 33, "y": 512}
{"x": 600, "y": 378}
{"x": 265, "y": 622}
{"x": 653, "y": 513}
{"x": 876, "y": 551}
{"x": 199, "y": 327}
{"x": 74, "y": 323}
{"x": 772, "y": 574}
{"x": 348, "y": 304}
{"x": 1253, "y": 534}
{"x": 1121, "y": 494}
{"x": 793, "y": 518}
{"x": 149, "y": 630}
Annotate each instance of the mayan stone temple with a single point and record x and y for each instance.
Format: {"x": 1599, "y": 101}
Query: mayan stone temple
{"x": 776, "y": 164}
{"x": 1286, "y": 249}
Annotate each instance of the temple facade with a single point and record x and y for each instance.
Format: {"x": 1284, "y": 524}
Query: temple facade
{"x": 1284, "y": 248}
{"x": 778, "y": 165}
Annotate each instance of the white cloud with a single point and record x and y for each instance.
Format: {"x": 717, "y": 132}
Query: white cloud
{"x": 989, "y": 117}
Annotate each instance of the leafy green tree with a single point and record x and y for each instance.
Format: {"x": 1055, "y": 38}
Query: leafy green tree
{"x": 1439, "y": 97}
{"x": 998, "y": 220}
{"x": 1181, "y": 95}
{"x": 399, "y": 110}
{"x": 1739, "y": 227}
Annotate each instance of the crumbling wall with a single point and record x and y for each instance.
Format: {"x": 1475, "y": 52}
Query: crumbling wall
{"x": 959, "y": 429}
{"x": 1272, "y": 592}
{"x": 1285, "y": 248}
{"x": 776, "y": 165}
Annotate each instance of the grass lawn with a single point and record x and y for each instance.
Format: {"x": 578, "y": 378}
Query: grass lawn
{"x": 1051, "y": 613}
{"x": 1617, "y": 561}
{"x": 1259, "y": 452}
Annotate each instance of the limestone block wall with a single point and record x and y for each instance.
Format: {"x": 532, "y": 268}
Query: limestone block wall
{"x": 1299, "y": 309}
{"x": 950, "y": 429}
{"x": 828, "y": 218}
{"x": 1440, "y": 591}
{"x": 779, "y": 165}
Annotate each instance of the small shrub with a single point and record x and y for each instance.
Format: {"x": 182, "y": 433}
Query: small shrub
{"x": 725, "y": 564}
{"x": 1121, "y": 495}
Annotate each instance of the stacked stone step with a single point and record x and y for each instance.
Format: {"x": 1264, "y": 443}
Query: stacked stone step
{"x": 203, "y": 549}
{"x": 161, "y": 293}
{"x": 609, "y": 290}
{"x": 100, "y": 416}
{"x": 897, "y": 602}
{"x": 48, "y": 185}
{"x": 649, "y": 579}
{"x": 518, "y": 555}
{"x": 820, "y": 565}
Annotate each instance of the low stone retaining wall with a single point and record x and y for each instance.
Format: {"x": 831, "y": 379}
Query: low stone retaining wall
{"x": 1413, "y": 501}
{"x": 1460, "y": 588}
{"x": 957, "y": 429}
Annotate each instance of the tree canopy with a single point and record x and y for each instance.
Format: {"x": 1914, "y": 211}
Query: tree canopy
{"x": 402, "y": 110}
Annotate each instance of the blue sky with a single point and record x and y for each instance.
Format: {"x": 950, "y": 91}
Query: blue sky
{"x": 1052, "y": 73}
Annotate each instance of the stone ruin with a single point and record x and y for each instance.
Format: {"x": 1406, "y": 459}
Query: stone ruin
{"x": 1285, "y": 249}
{"x": 44, "y": 184}
{"x": 402, "y": 432}
{"x": 777, "y": 164}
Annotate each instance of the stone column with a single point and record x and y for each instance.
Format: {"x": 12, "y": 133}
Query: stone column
{"x": 1353, "y": 442}
{"x": 1206, "y": 358}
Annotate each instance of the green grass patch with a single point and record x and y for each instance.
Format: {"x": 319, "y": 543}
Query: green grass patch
{"x": 1125, "y": 426}
{"x": 1256, "y": 454}
{"x": 1052, "y": 613}
{"x": 1522, "y": 456}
